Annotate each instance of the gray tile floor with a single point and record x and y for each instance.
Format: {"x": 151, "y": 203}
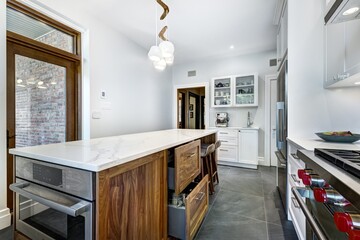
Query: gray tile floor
{"x": 246, "y": 205}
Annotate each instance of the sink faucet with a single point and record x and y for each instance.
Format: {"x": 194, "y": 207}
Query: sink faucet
{"x": 249, "y": 122}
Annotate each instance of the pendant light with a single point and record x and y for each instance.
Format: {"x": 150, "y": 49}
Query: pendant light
{"x": 163, "y": 54}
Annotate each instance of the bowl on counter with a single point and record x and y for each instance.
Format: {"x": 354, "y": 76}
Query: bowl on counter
{"x": 340, "y": 137}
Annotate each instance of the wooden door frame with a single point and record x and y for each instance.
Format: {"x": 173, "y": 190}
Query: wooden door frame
{"x": 18, "y": 44}
{"x": 267, "y": 152}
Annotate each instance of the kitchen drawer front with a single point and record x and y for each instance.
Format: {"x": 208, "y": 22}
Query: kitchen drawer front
{"x": 228, "y": 141}
{"x": 227, "y": 153}
{"x": 196, "y": 206}
{"x": 187, "y": 164}
{"x": 297, "y": 215}
{"x": 227, "y": 133}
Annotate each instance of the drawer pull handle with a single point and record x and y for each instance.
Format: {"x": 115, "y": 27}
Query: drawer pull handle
{"x": 295, "y": 203}
{"x": 191, "y": 155}
{"x": 293, "y": 176}
{"x": 201, "y": 197}
{"x": 224, "y": 150}
{"x": 223, "y": 141}
{"x": 295, "y": 156}
{"x": 223, "y": 133}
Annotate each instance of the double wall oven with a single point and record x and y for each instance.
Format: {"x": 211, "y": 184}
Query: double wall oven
{"x": 281, "y": 131}
{"x": 53, "y": 201}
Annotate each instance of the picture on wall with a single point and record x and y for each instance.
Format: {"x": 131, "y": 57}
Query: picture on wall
{"x": 191, "y": 114}
{"x": 191, "y": 107}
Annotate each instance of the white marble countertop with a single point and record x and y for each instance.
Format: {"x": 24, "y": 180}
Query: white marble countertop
{"x": 310, "y": 144}
{"x": 236, "y": 128}
{"x": 103, "y": 153}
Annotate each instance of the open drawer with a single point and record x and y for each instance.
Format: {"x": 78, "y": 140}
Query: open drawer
{"x": 185, "y": 167}
{"x": 185, "y": 221}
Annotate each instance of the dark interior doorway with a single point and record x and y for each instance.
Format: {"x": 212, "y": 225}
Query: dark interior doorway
{"x": 191, "y": 108}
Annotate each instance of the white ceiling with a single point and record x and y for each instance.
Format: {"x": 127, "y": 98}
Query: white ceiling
{"x": 198, "y": 28}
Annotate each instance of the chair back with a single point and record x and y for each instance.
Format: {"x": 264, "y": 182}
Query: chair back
{"x": 210, "y": 149}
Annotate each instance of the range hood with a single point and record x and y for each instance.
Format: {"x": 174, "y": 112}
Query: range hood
{"x": 342, "y": 10}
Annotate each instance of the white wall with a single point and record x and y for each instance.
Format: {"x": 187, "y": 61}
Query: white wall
{"x": 207, "y": 69}
{"x": 311, "y": 108}
{"x": 4, "y": 211}
{"x": 137, "y": 95}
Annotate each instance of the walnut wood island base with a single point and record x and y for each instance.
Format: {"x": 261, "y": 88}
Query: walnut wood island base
{"x": 133, "y": 184}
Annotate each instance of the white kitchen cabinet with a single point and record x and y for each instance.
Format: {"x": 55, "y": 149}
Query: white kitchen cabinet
{"x": 294, "y": 211}
{"x": 235, "y": 91}
{"x": 239, "y": 147}
{"x": 221, "y": 91}
{"x": 229, "y": 145}
{"x": 246, "y": 90}
{"x": 342, "y": 54}
{"x": 248, "y": 147}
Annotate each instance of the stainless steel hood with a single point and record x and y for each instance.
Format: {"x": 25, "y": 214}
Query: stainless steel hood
{"x": 342, "y": 10}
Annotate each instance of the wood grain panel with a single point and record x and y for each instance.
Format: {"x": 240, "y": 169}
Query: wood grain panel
{"x": 187, "y": 164}
{"x": 132, "y": 204}
{"x": 197, "y": 204}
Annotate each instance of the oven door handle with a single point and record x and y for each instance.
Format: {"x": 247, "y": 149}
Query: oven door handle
{"x": 317, "y": 230}
{"x": 74, "y": 210}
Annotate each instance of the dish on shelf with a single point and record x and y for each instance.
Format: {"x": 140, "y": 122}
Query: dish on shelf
{"x": 340, "y": 136}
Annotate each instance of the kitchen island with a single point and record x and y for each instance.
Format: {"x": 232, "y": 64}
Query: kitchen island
{"x": 130, "y": 175}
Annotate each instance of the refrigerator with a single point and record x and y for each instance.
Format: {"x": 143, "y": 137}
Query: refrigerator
{"x": 281, "y": 131}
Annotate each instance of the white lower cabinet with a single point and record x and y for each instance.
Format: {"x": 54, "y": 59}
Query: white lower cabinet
{"x": 248, "y": 147}
{"x": 294, "y": 211}
{"x": 239, "y": 147}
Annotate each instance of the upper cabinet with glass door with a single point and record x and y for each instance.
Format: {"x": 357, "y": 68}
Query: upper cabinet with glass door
{"x": 235, "y": 91}
{"x": 246, "y": 90}
{"x": 221, "y": 90}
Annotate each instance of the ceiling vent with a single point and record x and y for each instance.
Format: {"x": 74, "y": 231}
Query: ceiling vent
{"x": 192, "y": 73}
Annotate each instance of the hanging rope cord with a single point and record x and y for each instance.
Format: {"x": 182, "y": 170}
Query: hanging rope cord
{"x": 162, "y": 17}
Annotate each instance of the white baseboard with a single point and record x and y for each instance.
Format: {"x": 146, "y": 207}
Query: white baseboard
{"x": 262, "y": 162}
{"x": 5, "y": 218}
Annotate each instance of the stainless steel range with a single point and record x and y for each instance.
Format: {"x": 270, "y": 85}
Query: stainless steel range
{"x": 332, "y": 193}
{"x": 53, "y": 201}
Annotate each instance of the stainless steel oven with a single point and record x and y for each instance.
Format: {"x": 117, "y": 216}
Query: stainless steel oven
{"x": 53, "y": 201}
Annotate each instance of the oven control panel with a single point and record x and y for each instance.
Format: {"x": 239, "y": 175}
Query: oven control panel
{"x": 46, "y": 174}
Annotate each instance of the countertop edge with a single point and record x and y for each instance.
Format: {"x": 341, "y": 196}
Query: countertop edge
{"x": 100, "y": 167}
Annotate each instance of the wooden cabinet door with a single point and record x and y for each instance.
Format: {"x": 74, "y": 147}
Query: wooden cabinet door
{"x": 131, "y": 200}
{"x": 187, "y": 164}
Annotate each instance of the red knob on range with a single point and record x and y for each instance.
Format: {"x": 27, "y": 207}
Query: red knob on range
{"x": 320, "y": 195}
{"x": 302, "y": 172}
{"x": 329, "y": 195}
{"x": 346, "y": 222}
{"x": 354, "y": 235}
{"x": 313, "y": 180}
{"x": 343, "y": 221}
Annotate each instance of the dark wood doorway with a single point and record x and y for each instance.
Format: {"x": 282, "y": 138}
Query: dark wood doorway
{"x": 43, "y": 91}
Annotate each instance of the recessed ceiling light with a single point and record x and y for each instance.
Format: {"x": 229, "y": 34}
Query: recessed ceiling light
{"x": 41, "y": 87}
{"x": 357, "y": 83}
{"x": 350, "y": 11}
{"x": 40, "y": 83}
{"x": 19, "y": 80}
{"x": 231, "y": 47}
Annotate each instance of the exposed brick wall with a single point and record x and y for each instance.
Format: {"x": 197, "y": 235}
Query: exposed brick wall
{"x": 40, "y": 113}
